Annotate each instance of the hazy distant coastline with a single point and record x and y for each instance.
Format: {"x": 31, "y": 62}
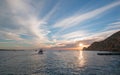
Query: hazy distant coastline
{"x": 10, "y": 50}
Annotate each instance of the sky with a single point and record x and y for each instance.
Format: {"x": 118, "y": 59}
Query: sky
{"x": 56, "y": 24}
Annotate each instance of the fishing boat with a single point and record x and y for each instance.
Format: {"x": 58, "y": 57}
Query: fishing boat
{"x": 40, "y": 51}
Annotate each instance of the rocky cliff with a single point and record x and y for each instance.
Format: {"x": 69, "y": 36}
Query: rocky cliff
{"x": 112, "y": 43}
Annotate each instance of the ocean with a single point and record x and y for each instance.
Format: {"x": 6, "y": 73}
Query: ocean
{"x": 54, "y": 62}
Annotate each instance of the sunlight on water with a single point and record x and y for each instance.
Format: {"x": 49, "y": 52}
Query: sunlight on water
{"x": 58, "y": 63}
{"x": 81, "y": 59}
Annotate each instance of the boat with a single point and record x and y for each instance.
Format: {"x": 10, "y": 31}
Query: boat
{"x": 109, "y": 53}
{"x": 40, "y": 51}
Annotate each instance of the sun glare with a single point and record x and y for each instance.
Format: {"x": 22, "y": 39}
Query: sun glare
{"x": 80, "y": 44}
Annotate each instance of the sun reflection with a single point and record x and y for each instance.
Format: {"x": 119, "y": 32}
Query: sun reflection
{"x": 81, "y": 60}
{"x": 80, "y": 55}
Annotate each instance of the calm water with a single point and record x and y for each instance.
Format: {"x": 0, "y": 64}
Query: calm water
{"x": 58, "y": 63}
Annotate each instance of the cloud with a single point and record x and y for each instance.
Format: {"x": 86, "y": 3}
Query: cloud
{"x": 18, "y": 18}
{"x": 29, "y": 21}
{"x": 9, "y": 36}
{"x": 69, "y": 46}
{"x": 73, "y": 34}
{"x": 113, "y": 26}
{"x": 99, "y": 36}
{"x": 52, "y": 11}
{"x": 22, "y": 17}
{"x": 78, "y": 18}
{"x": 85, "y": 40}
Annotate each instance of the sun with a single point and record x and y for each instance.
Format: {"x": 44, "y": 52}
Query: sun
{"x": 81, "y": 45}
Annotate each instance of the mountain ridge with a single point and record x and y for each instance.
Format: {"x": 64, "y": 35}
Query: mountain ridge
{"x": 111, "y": 43}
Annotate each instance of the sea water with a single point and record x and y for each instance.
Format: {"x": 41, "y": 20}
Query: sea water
{"x": 53, "y": 62}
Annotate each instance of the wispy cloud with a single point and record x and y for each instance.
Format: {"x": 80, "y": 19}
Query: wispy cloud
{"x": 113, "y": 26}
{"x": 52, "y": 12}
{"x": 78, "y": 18}
{"x": 73, "y": 35}
{"x": 26, "y": 21}
{"x": 9, "y": 36}
{"x": 69, "y": 46}
{"x": 99, "y": 36}
{"x": 34, "y": 24}
{"x": 86, "y": 40}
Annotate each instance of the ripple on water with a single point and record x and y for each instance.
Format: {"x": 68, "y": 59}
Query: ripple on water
{"x": 58, "y": 63}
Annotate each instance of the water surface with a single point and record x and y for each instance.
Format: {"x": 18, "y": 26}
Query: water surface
{"x": 58, "y": 63}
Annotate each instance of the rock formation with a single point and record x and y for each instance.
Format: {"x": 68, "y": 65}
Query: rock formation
{"x": 112, "y": 43}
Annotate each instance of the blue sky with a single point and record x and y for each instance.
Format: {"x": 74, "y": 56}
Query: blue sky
{"x": 56, "y": 24}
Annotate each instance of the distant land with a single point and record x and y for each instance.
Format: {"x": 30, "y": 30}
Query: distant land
{"x": 10, "y": 50}
{"x": 111, "y": 43}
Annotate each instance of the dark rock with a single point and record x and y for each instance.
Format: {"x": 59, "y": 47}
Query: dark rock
{"x": 84, "y": 48}
{"x": 112, "y": 43}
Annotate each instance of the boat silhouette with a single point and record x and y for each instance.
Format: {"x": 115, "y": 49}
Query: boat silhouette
{"x": 40, "y": 51}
